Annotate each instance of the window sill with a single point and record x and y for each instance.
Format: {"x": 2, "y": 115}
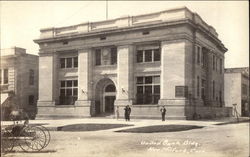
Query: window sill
{"x": 65, "y": 106}
{"x": 145, "y": 105}
{"x": 153, "y": 62}
{"x": 68, "y": 68}
{"x": 105, "y": 66}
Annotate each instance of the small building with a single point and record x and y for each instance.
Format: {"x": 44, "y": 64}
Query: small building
{"x": 237, "y": 90}
{"x": 171, "y": 58}
{"x": 18, "y": 77}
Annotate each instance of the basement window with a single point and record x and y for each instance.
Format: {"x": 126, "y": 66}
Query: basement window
{"x": 145, "y": 33}
{"x": 65, "y": 42}
{"x": 103, "y": 38}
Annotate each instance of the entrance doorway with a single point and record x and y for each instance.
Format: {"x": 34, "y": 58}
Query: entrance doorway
{"x": 105, "y": 95}
{"x": 109, "y": 98}
{"x": 109, "y": 104}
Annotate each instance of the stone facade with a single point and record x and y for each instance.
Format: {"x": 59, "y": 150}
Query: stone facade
{"x": 19, "y": 74}
{"x": 145, "y": 61}
{"x": 237, "y": 90}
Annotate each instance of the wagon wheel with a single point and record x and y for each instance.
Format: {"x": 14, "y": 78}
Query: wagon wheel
{"x": 32, "y": 138}
{"x": 8, "y": 141}
{"x": 47, "y": 133}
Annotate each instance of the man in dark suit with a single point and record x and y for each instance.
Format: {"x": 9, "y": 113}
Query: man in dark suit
{"x": 163, "y": 113}
{"x": 127, "y": 113}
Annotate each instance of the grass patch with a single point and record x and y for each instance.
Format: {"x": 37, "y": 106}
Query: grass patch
{"x": 90, "y": 127}
{"x": 161, "y": 128}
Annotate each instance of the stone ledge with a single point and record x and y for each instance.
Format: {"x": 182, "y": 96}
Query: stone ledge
{"x": 47, "y": 116}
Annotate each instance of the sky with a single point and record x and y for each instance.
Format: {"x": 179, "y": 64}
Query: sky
{"x": 21, "y": 21}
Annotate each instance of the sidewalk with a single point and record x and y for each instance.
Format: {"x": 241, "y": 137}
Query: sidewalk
{"x": 54, "y": 124}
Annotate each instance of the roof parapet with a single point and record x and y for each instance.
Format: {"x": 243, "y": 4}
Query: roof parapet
{"x": 128, "y": 21}
{"x": 13, "y": 51}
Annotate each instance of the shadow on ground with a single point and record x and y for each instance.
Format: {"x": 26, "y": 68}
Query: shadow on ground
{"x": 90, "y": 127}
{"x": 42, "y": 151}
{"x": 233, "y": 122}
{"x": 161, "y": 128}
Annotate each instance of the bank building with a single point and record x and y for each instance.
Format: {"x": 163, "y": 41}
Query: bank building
{"x": 171, "y": 58}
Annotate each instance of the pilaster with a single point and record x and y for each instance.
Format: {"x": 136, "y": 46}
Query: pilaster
{"x": 125, "y": 76}
{"x": 85, "y": 80}
{"x": 47, "y": 65}
{"x": 172, "y": 71}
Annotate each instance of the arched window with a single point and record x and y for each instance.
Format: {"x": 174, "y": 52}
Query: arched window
{"x": 110, "y": 88}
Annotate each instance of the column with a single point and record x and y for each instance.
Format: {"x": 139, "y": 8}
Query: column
{"x": 46, "y": 80}
{"x": 84, "y": 81}
{"x": 125, "y": 77}
{"x": 172, "y": 71}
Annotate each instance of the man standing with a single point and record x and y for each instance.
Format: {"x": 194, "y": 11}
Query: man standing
{"x": 117, "y": 112}
{"x": 163, "y": 113}
{"x": 127, "y": 113}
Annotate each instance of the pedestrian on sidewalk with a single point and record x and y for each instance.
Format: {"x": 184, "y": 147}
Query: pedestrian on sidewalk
{"x": 117, "y": 112}
{"x": 163, "y": 113}
{"x": 127, "y": 113}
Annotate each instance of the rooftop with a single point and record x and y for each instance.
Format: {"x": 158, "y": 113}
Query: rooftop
{"x": 13, "y": 51}
{"x": 243, "y": 70}
{"x": 176, "y": 14}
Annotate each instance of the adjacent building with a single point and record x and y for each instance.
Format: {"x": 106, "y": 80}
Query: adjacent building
{"x": 170, "y": 58}
{"x": 237, "y": 90}
{"x": 19, "y": 77}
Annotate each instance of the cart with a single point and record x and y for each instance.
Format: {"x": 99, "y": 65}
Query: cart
{"x": 27, "y": 137}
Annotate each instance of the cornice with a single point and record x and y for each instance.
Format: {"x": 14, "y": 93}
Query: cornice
{"x": 170, "y": 37}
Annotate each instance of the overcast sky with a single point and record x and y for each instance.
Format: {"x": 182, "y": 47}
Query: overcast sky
{"x": 21, "y": 21}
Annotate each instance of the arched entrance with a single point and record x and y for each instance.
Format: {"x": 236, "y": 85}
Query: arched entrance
{"x": 105, "y": 95}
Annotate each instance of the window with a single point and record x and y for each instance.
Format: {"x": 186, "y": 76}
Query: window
{"x": 31, "y": 100}
{"x": 68, "y": 92}
{"x": 221, "y": 67}
{"x": 5, "y": 76}
{"x": 71, "y": 62}
{"x": 181, "y": 91}
{"x": 203, "y": 86}
{"x": 113, "y": 56}
{"x": 145, "y": 33}
{"x": 244, "y": 89}
{"x": 139, "y": 56}
{"x": 65, "y": 42}
{"x": 68, "y": 62}
{"x": 203, "y": 59}
{"x": 31, "y": 77}
{"x": 198, "y": 86}
{"x": 148, "y": 55}
{"x": 148, "y": 89}
{"x": 98, "y": 57}
{"x": 220, "y": 97}
{"x": 63, "y": 63}
{"x": 102, "y": 38}
{"x": 213, "y": 89}
{"x": 198, "y": 54}
{"x": 216, "y": 65}
{"x": 157, "y": 55}
{"x": 110, "y": 88}
{"x": 75, "y": 62}
{"x": 214, "y": 60}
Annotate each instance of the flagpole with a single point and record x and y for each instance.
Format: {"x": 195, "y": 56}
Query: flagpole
{"x": 106, "y": 9}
